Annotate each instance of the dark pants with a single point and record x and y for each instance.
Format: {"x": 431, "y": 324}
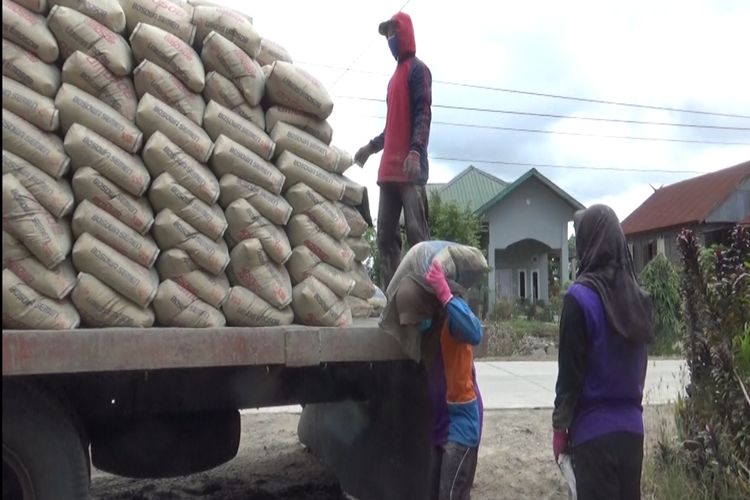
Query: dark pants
{"x": 393, "y": 198}
{"x": 452, "y": 471}
{"x": 609, "y": 467}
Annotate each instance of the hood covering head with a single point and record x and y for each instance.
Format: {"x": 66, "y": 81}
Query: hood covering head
{"x": 406, "y": 45}
{"x": 413, "y": 303}
{"x": 606, "y": 266}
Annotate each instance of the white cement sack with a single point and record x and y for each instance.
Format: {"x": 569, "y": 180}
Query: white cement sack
{"x": 88, "y": 184}
{"x": 221, "y": 55}
{"x": 354, "y": 219}
{"x": 175, "y": 306}
{"x": 88, "y": 149}
{"x": 314, "y": 126}
{"x": 229, "y": 23}
{"x": 315, "y": 304}
{"x": 27, "y": 69}
{"x": 244, "y": 308}
{"x": 271, "y": 206}
{"x": 42, "y": 149}
{"x": 297, "y": 141}
{"x": 169, "y": 52}
{"x": 251, "y": 268}
{"x": 344, "y": 160}
{"x": 271, "y": 52}
{"x": 360, "y": 308}
{"x": 77, "y": 106}
{"x": 363, "y": 286}
{"x": 24, "y": 308}
{"x": 304, "y": 263}
{"x": 304, "y": 200}
{"x": 297, "y": 170}
{"x": 246, "y": 222}
{"x": 37, "y": 109}
{"x": 170, "y": 231}
{"x": 53, "y": 283}
{"x": 91, "y": 76}
{"x": 76, "y": 31}
{"x": 176, "y": 265}
{"x": 167, "y": 16}
{"x": 29, "y": 30}
{"x": 153, "y": 79}
{"x": 167, "y": 193}
{"x": 219, "y": 120}
{"x": 353, "y": 192}
{"x": 107, "y": 12}
{"x": 221, "y": 89}
{"x": 154, "y": 115}
{"x": 230, "y": 157}
{"x": 360, "y": 247}
{"x": 303, "y": 231}
{"x": 254, "y": 114}
{"x": 38, "y": 6}
{"x": 102, "y": 307}
{"x": 377, "y": 302}
{"x": 53, "y": 194}
{"x": 295, "y": 88}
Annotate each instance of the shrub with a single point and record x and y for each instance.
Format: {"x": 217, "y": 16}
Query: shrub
{"x": 661, "y": 280}
{"x": 503, "y": 310}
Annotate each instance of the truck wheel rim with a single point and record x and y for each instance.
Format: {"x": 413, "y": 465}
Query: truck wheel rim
{"x": 16, "y": 478}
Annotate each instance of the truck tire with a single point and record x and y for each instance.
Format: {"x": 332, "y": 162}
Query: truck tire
{"x": 43, "y": 455}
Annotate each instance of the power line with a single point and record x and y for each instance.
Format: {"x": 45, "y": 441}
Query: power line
{"x": 568, "y": 167}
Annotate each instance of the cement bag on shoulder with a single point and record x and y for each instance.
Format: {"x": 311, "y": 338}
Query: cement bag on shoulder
{"x": 219, "y": 120}
{"x": 360, "y": 308}
{"x": 303, "y": 231}
{"x": 377, "y": 302}
{"x": 357, "y": 224}
{"x": 320, "y": 129}
{"x": 27, "y": 69}
{"x": 246, "y": 222}
{"x": 102, "y": 307}
{"x": 292, "y": 139}
{"x": 363, "y": 286}
{"x": 271, "y": 52}
{"x": 88, "y": 184}
{"x": 353, "y": 192}
{"x": 175, "y": 306}
{"x": 295, "y": 88}
{"x": 176, "y": 265}
{"x": 271, "y": 206}
{"x": 24, "y": 308}
{"x": 244, "y": 308}
{"x": 154, "y": 115}
{"x": 229, "y": 23}
{"x": 169, "y": 52}
{"x": 91, "y": 76}
{"x": 107, "y": 12}
{"x": 162, "y": 155}
{"x": 150, "y": 78}
{"x": 170, "y": 231}
{"x": 53, "y": 194}
{"x": 230, "y": 157}
{"x": 42, "y": 149}
{"x": 251, "y": 268}
{"x": 76, "y": 106}
{"x": 167, "y": 16}
{"x": 315, "y": 304}
{"x": 53, "y": 283}
{"x": 37, "y": 109}
{"x": 76, "y": 31}
{"x": 88, "y": 149}
{"x": 304, "y": 200}
{"x": 360, "y": 247}
{"x": 29, "y": 30}
{"x": 167, "y": 193}
{"x": 297, "y": 170}
{"x": 304, "y": 263}
{"x": 38, "y": 6}
{"x": 221, "y": 55}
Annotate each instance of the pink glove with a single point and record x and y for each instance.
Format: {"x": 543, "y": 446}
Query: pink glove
{"x": 559, "y": 443}
{"x": 435, "y": 277}
{"x": 412, "y": 165}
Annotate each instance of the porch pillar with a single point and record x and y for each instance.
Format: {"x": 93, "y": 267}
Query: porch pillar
{"x": 491, "y": 292}
{"x": 564, "y": 255}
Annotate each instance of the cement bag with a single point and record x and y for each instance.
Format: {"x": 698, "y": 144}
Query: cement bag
{"x": 251, "y": 268}
{"x": 47, "y": 238}
{"x": 360, "y": 308}
{"x": 292, "y": 139}
{"x": 88, "y": 184}
{"x": 230, "y": 157}
{"x": 298, "y": 170}
{"x": 357, "y": 223}
{"x": 295, "y": 88}
{"x": 320, "y": 129}
{"x": 53, "y": 283}
{"x": 154, "y": 115}
{"x": 166, "y": 16}
{"x": 91, "y": 76}
{"x": 363, "y": 287}
{"x": 304, "y": 200}
{"x": 76, "y": 31}
{"x": 169, "y": 52}
{"x": 377, "y": 302}
{"x": 303, "y": 231}
{"x": 107, "y": 12}
{"x": 106, "y": 228}
{"x": 27, "y": 69}
{"x": 29, "y": 30}
{"x": 24, "y": 308}
{"x": 102, "y": 307}
{"x": 176, "y": 265}
{"x": 53, "y": 194}
{"x": 76, "y": 106}
{"x": 175, "y": 306}
{"x": 304, "y": 263}
{"x": 162, "y": 155}
{"x": 150, "y": 78}
{"x": 37, "y": 109}
{"x": 219, "y": 88}
{"x": 271, "y": 52}
{"x": 271, "y": 206}
{"x": 360, "y": 247}
{"x": 88, "y": 149}
{"x": 246, "y": 222}
{"x": 253, "y": 114}
{"x": 353, "y": 192}
{"x": 167, "y": 193}
{"x": 171, "y": 231}
{"x": 230, "y": 24}
{"x": 244, "y": 308}
{"x": 38, "y": 6}
{"x": 42, "y": 149}
{"x": 315, "y": 304}
{"x": 219, "y": 120}
{"x": 344, "y": 160}
{"x": 222, "y": 56}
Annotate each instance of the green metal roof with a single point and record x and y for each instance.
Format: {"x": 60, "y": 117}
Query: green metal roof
{"x": 482, "y": 209}
{"x": 472, "y": 187}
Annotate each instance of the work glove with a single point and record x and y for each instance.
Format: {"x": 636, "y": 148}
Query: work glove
{"x": 360, "y": 158}
{"x": 559, "y": 443}
{"x": 412, "y": 166}
{"x": 435, "y": 277}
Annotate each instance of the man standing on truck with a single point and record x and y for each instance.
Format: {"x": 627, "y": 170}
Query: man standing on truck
{"x": 404, "y": 168}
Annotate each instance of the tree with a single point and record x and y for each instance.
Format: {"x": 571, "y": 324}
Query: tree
{"x": 447, "y": 221}
{"x": 660, "y": 279}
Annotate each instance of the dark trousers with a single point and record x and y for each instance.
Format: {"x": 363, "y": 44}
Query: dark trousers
{"x": 609, "y": 467}
{"x": 394, "y": 197}
{"x": 452, "y": 471}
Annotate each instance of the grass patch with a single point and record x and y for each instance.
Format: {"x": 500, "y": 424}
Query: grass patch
{"x": 520, "y": 337}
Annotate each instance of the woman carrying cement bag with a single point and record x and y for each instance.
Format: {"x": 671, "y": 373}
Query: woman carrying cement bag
{"x": 271, "y": 52}
{"x": 251, "y": 268}
{"x": 176, "y": 265}
{"x": 271, "y": 206}
{"x": 29, "y": 30}
{"x": 246, "y": 222}
{"x": 150, "y": 78}
{"x": 244, "y": 308}
{"x": 164, "y": 15}
{"x": 304, "y": 263}
{"x": 27, "y": 69}
{"x": 230, "y": 157}
{"x": 306, "y": 146}
{"x": 169, "y": 52}
{"x": 313, "y": 125}
{"x": 219, "y": 120}
{"x": 175, "y": 306}
{"x": 357, "y": 223}
{"x": 53, "y": 194}
{"x": 107, "y": 12}
{"x": 315, "y": 304}
{"x": 221, "y": 55}
{"x": 39, "y": 110}
{"x": 220, "y": 89}
{"x": 323, "y": 212}
{"x": 102, "y": 307}
{"x": 303, "y": 231}
{"x": 298, "y": 170}
{"x": 54, "y": 283}
{"x": 294, "y": 87}
{"x": 24, "y": 308}
{"x": 229, "y": 23}
{"x": 42, "y": 149}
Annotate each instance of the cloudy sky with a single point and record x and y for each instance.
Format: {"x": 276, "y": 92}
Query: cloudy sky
{"x": 687, "y": 54}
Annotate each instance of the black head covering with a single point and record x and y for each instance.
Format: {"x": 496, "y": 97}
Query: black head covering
{"x": 606, "y": 266}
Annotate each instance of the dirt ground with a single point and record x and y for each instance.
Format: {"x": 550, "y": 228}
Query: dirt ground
{"x": 515, "y": 462}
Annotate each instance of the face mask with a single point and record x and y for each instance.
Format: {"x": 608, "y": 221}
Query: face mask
{"x": 393, "y": 45}
{"x": 425, "y": 325}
